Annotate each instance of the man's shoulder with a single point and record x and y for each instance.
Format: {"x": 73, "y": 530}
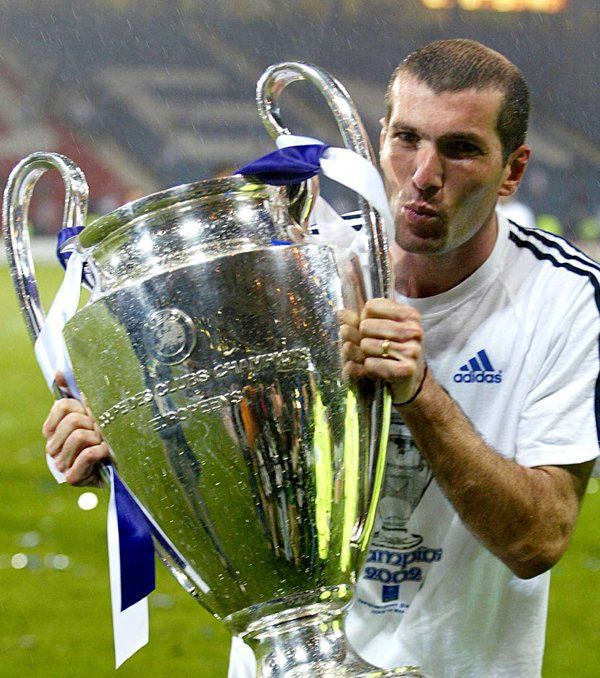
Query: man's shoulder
{"x": 558, "y": 264}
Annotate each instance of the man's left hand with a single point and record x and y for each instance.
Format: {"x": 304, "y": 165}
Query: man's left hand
{"x": 385, "y": 342}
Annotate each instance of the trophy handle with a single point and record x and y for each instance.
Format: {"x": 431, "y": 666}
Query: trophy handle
{"x": 268, "y": 91}
{"x": 15, "y": 224}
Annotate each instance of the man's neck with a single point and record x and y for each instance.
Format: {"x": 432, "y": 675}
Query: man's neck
{"x": 425, "y": 275}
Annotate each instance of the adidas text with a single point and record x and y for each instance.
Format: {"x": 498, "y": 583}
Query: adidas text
{"x": 478, "y": 377}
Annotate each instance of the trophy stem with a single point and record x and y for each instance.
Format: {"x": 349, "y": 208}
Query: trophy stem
{"x": 312, "y": 645}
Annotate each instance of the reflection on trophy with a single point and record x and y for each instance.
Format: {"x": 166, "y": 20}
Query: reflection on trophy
{"x": 407, "y": 477}
{"x": 209, "y": 352}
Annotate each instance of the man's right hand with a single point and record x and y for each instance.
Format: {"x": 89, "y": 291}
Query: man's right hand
{"x": 74, "y": 441}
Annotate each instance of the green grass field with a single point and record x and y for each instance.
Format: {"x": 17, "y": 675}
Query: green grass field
{"x": 55, "y": 614}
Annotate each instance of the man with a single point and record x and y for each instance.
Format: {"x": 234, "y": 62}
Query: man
{"x": 505, "y": 412}
{"x": 490, "y": 349}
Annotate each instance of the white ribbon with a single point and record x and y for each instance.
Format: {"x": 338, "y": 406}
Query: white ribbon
{"x": 242, "y": 662}
{"x": 130, "y": 627}
{"x": 50, "y": 348}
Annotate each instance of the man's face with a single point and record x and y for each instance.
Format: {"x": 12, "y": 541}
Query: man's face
{"x": 442, "y": 161}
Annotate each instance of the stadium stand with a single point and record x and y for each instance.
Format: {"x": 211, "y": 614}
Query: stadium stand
{"x": 26, "y": 127}
{"x": 172, "y": 84}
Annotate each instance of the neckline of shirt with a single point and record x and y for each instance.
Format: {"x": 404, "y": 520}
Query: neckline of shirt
{"x": 441, "y": 303}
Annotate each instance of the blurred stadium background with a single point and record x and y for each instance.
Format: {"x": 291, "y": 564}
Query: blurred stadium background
{"x": 147, "y": 94}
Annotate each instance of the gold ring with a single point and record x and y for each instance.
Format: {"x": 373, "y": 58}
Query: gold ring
{"x": 385, "y": 344}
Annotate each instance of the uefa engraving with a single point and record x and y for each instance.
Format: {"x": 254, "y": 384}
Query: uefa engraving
{"x": 169, "y": 336}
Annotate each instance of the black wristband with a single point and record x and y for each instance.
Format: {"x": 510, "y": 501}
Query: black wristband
{"x": 416, "y": 393}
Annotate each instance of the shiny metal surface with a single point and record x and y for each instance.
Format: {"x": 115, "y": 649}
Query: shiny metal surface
{"x": 17, "y": 196}
{"x": 315, "y": 646}
{"x": 269, "y": 90}
{"x": 187, "y": 224}
{"x": 15, "y": 228}
{"x": 212, "y": 360}
{"x": 216, "y": 377}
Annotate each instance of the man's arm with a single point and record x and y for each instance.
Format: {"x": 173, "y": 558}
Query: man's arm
{"x": 525, "y": 516}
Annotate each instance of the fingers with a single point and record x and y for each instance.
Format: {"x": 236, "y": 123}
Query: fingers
{"x": 59, "y": 411}
{"x": 350, "y": 333}
{"x": 85, "y": 469}
{"x": 387, "y": 344}
{"x": 404, "y": 351}
{"x": 383, "y": 319}
{"x": 75, "y": 442}
{"x": 394, "y": 330}
{"x": 391, "y": 329}
{"x": 73, "y": 424}
{"x": 352, "y": 351}
{"x": 390, "y": 310}
{"x": 352, "y": 371}
{"x": 352, "y": 356}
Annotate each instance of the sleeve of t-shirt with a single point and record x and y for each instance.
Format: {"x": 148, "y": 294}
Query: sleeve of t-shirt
{"x": 560, "y": 423}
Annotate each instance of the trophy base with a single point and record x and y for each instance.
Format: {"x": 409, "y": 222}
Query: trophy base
{"x": 312, "y": 645}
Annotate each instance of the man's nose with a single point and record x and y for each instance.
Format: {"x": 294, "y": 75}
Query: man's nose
{"x": 429, "y": 171}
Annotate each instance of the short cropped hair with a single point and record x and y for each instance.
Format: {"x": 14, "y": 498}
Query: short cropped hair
{"x": 455, "y": 65}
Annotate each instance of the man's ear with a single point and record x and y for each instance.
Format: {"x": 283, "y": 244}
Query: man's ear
{"x": 515, "y": 169}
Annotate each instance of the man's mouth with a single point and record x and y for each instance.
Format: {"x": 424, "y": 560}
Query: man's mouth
{"x": 419, "y": 214}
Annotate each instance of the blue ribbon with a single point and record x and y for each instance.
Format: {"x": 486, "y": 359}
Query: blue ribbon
{"x": 65, "y": 248}
{"x": 62, "y": 237}
{"x": 135, "y": 546}
{"x": 289, "y": 165}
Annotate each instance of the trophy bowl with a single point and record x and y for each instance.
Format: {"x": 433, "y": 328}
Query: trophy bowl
{"x": 212, "y": 361}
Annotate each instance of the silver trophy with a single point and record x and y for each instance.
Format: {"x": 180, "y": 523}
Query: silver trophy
{"x": 210, "y": 353}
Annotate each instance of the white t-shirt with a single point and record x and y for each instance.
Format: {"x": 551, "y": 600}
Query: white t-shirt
{"x": 517, "y": 347}
{"x": 517, "y": 212}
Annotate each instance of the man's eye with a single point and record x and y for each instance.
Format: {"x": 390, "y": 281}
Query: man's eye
{"x": 456, "y": 149}
{"x": 408, "y": 138}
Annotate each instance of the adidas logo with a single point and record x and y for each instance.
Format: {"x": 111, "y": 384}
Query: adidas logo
{"x": 478, "y": 370}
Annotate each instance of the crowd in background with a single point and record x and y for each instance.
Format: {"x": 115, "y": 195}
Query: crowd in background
{"x": 79, "y": 69}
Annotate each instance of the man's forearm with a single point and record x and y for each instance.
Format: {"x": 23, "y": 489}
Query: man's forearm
{"x": 525, "y": 516}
